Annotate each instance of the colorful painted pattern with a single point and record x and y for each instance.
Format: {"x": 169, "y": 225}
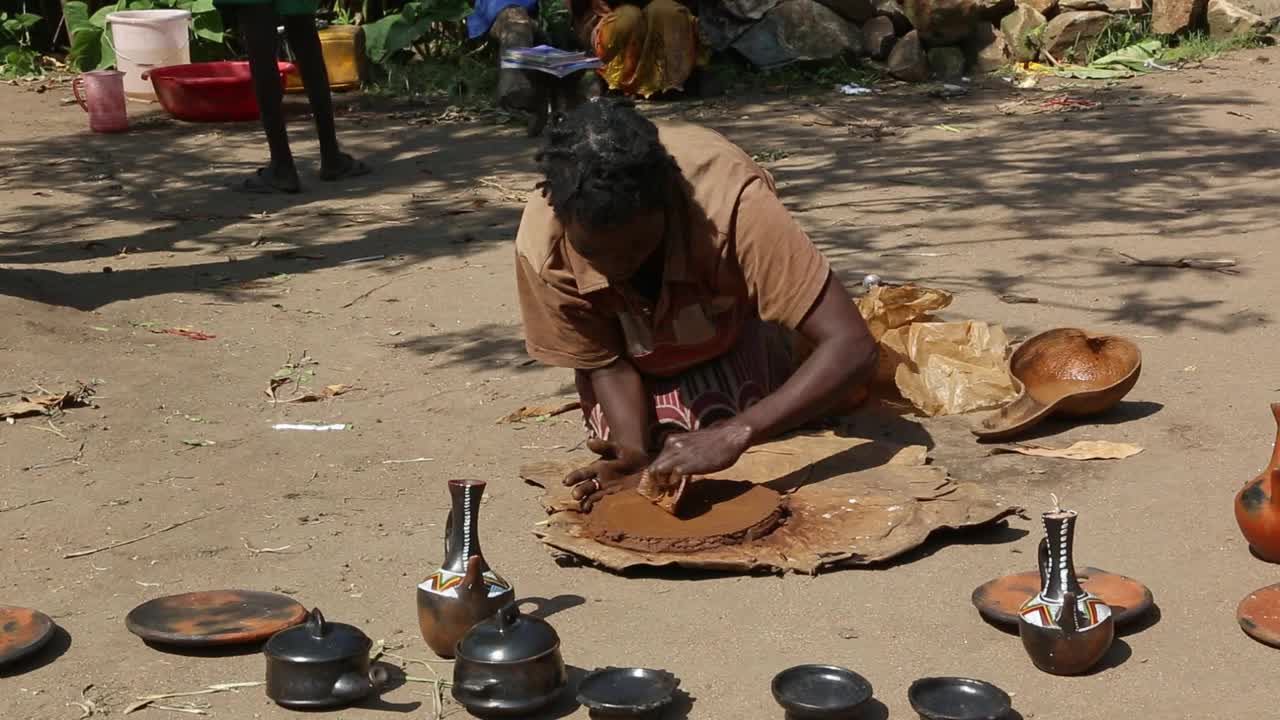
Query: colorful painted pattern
{"x": 1042, "y": 613}
{"x": 445, "y": 582}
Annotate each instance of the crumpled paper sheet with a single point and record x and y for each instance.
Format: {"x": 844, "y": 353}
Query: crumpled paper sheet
{"x": 950, "y": 368}
{"x": 853, "y": 502}
{"x": 886, "y": 307}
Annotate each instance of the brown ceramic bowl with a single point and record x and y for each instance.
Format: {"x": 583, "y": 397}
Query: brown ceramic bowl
{"x": 1065, "y": 372}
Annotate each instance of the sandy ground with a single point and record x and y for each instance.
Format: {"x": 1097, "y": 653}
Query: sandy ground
{"x": 954, "y": 194}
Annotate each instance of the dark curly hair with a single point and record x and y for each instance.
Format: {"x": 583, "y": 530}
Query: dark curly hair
{"x": 604, "y": 165}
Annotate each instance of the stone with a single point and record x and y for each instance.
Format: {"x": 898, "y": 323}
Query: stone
{"x": 1046, "y": 8}
{"x": 892, "y": 9}
{"x": 1115, "y": 7}
{"x": 987, "y": 49}
{"x": 798, "y": 30}
{"x": 993, "y": 10}
{"x": 1228, "y": 21}
{"x": 721, "y": 22}
{"x": 1269, "y": 9}
{"x": 1071, "y": 36}
{"x": 878, "y": 37}
{"x": 942, "y": 22}
{"x": 908, "y": 61}
{"x": 1022, "y": 32}
{"x": 946, "y": 63}
{"x": 858, "y": 11}
{"x": 1169, "y": 17}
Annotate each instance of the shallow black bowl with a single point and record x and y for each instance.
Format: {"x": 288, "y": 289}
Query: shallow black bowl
{"x": 820, "y": 692}
{"x": 953, "y": 698}
{"x": 626, "y": 691}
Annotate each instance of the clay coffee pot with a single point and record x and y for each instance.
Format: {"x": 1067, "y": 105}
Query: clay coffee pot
{"x": 1258, "y": 505}
{"x": 465, "y": 590}
{"x": 509, "y": 664}
{"x": 1064, "y": 628}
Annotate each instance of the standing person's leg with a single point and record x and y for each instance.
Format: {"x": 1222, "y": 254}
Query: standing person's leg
{"x": 304, "y": 40}
{"x": 258, "y": 30}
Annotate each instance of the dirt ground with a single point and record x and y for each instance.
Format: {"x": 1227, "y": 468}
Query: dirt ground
{"x": 955, "y": 194}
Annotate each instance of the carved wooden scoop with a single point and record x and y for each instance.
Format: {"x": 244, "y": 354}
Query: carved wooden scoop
{"x": 1064, "y": 372}
{"x": 666, "y": 493}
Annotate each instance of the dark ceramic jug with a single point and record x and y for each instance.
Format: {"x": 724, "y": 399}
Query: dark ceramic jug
{"x": 1064, "y": 628}
{"x": 464, "y": 590}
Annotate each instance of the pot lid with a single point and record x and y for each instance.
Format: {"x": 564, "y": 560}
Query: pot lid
{"x": 318, "y": 640}
{"x": 509, "y": 636}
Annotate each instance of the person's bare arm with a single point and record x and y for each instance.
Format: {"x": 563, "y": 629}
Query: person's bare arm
{"x": 620, "y": 392}
{"x": 844, "y": 354}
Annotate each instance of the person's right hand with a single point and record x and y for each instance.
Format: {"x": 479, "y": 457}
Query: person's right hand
{"x": 619, "y": 467}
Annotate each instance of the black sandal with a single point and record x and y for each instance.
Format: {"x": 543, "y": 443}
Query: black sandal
{"x": 353, "y": 168}
{"x": 261, "y": 182}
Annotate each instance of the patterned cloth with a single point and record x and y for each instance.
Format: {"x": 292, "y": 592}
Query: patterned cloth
{"x": 717, "y": 390}
{"x": 486, "y": 11}
{"x": 645, "y": 50}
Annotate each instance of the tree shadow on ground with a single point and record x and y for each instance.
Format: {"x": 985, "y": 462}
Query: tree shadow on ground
{"x": 1143, "y": 168}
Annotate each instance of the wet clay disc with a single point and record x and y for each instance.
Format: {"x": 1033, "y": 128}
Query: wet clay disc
{"x": 999, "y": 600}
{"x": 714, "y": 513}
{"x": 22, "y": 633}
{"x": 214, "y": 617}
{"x": 1259, "y": 615}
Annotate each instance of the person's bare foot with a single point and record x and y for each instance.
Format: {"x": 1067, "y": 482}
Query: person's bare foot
{"x": 342, "y": 168}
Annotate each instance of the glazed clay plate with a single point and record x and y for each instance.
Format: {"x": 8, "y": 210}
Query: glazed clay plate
{"x": 214, "y": 617}
{"x": 1259, "y": 615}
{"x": 999, "y": 600}
{"x": 22, "y": 633}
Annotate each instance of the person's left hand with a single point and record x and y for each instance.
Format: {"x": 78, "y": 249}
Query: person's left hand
{"x": 702, "y": 452}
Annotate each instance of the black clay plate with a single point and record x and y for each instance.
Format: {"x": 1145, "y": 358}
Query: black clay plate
{"x": 816, "y": 692}
{"x": 214, "y": 617}
{"x": 626, "y": 691}
{"x": 23, "y": 631}
{"x": 953, "y": 698}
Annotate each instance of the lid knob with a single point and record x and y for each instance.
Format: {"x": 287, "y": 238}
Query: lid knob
{"x": 316, "y": 626}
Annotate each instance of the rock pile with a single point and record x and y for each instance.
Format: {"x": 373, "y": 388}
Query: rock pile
{"x": 945, "y": 39}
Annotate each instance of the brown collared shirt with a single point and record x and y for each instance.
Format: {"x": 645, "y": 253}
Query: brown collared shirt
{"x": 737, "y": 255}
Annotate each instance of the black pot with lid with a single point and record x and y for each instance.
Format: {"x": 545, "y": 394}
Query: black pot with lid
{"x": 320, "y": 664}
{"x": 509, "y": 664}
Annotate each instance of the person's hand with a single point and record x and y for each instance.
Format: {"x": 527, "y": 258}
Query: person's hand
{"x": 700, "y": 453}
{"x": 619, "y": 467}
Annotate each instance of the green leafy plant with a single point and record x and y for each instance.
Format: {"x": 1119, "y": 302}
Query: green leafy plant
{"x": 91, "y": 47}
{"x": 409, "y": 27}
{"x": 17, "y": 57}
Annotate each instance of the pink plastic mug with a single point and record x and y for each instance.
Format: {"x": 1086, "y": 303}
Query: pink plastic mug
{"x": 101, "y": 94}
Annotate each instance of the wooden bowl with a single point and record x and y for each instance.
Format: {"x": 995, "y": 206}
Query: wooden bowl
{"x": 1065, "y": 372}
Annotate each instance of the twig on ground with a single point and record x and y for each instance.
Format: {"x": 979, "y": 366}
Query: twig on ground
{"x": 70, "y": 458}
{"x": 1222, "y": 265}
{"x": 258, "y": 551}
{"x": 51, "y": 429}
{"x": 372, "y": 290}
{"x": 402, "y": 462}
{"x": 122, "y": 543}
{"x": 504, "y": 193}
{"x": 146, "y": 700}
{"x": 7, "y": 508}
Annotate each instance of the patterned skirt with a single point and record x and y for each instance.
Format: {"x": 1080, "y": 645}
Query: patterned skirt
{"x": 758, "y": 364}
{"x": 647, "y": 50}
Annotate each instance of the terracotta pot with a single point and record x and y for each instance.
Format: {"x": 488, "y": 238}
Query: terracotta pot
{"x": 464, "y": 590}
{"x": 1258, "y": 506}
{"x": 1064, "y": 372}
{"x": 1065, "y": 629}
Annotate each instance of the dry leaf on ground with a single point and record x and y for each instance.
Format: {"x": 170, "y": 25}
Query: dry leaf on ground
{"x": 534, "y": 412}
{"x": 330, "y": 391}
{"x": 46, "y": 403}
{"x": 1082, "y": 450}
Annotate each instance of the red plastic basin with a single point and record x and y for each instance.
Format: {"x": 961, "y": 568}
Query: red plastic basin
{"x": 209, "y": 92}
